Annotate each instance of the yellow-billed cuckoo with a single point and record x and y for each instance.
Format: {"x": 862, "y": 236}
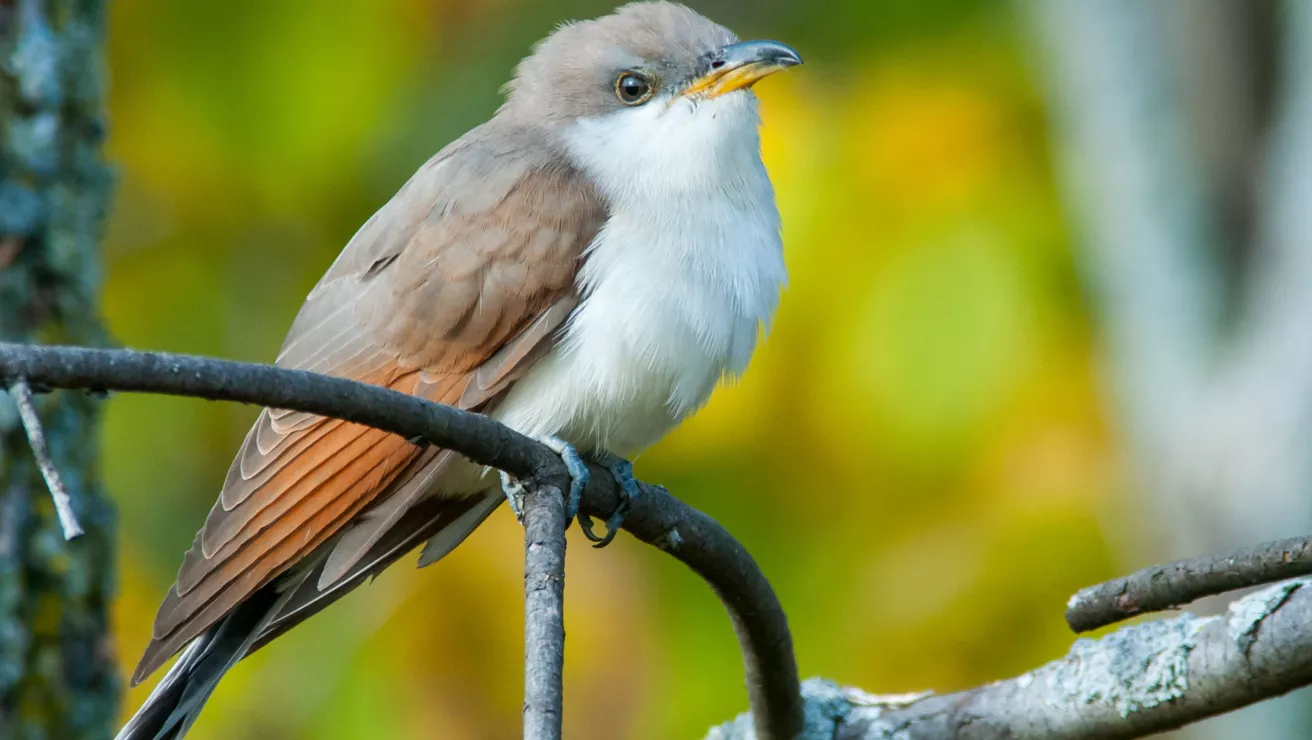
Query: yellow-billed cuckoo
{"x": 584, "y": 267}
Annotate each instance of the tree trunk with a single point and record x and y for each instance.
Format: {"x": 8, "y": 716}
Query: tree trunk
{"x": 58, "y": 676}
{"x": 1183, "y": 132}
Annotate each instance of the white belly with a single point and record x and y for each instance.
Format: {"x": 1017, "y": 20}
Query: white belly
{"x": 621, "y": 380}
{"x": 657, "y": 330}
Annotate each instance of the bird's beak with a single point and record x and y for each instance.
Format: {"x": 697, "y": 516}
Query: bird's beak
{"x": 740, "y": 65}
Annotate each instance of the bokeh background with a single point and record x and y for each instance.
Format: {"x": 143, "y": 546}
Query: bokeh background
{"x": 925, "y": 455}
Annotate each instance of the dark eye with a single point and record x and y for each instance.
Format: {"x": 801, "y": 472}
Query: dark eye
{"x": 633, "y": 89}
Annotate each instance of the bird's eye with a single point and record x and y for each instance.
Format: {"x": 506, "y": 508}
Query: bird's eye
{"x": 633, "y": 89}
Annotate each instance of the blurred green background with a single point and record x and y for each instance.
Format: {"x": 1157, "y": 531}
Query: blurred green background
{"x": 918, "y": 455}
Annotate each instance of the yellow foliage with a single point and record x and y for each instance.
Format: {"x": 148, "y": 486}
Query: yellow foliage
{"x": 922, "y": 421}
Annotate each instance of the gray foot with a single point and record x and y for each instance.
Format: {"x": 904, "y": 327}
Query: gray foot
{"x": 579, "y": 475}
{"x": 622, "y": 470}
{"x": 514, "y": 491}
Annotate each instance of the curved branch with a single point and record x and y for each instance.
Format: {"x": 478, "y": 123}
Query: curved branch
{"x": 1162, "y": 587}
{"x": 700, "y": 543}
{"x": 656, "y": 518}
{"x": 1137, "y": 681}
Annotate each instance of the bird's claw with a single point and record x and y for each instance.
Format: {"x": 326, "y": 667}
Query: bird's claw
{"x": 622, "y": 471}
{"x": 578, "y": 480}
{"x": 514, "y": 491}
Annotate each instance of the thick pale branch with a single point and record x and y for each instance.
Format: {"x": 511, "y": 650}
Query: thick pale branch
{"x": 1138, "y": 681}
{"x": 1176, "y": 584}
{"x": 656, "y": 518}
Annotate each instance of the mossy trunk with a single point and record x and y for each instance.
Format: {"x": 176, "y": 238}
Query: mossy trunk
{"x": 58, "y": 678}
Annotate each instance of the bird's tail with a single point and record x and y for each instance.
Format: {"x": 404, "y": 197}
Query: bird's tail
{"x": 176, "y": 701}
{"x": 287, "y": 601}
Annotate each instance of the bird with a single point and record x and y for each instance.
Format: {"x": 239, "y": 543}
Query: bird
{"x": 585, "y": 267}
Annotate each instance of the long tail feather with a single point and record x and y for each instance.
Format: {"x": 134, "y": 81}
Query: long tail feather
{"x": 176, "y": 702}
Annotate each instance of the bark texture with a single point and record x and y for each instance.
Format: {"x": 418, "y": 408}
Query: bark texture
{"x": 58, "y": 676}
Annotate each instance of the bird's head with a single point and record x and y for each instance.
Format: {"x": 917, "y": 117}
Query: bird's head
{"x": 651, "y": 84}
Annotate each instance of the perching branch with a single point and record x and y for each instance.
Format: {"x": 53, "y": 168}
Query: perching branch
{"x": 1135, "y": 682}
{"x": 36, "y": 438}
{"x": 656, "y": 517}
{"x": 544, "y": 609}
{"x": 1175, "y": 584}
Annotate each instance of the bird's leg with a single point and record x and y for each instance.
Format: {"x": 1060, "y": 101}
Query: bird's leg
{"x": 578, "y": 475}
{"x": 622, "y": 471}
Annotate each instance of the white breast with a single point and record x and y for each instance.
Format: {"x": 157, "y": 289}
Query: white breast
{"x": 675, "y": 285}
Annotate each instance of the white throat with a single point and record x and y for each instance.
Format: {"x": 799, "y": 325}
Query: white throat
{"x": 675, "y": 285}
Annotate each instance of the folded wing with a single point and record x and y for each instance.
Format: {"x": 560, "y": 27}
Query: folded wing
{"x": 449, "y": 292}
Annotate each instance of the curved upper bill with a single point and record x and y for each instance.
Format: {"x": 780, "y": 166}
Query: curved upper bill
{"x": 740, "y": 65}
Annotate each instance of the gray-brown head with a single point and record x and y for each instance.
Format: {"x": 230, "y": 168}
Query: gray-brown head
{"x": 652, "y": 98}
{"x": 645, "y": 53}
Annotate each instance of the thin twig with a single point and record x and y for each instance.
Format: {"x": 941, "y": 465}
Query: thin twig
{"x": 544, "y": 611}
{"x": 656, "y": 517}
{"x": 1175, "y": 584}
{"x": 21, "y": 392}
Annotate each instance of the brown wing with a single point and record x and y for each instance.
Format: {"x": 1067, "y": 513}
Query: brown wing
{"x": 447, "y": 292}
